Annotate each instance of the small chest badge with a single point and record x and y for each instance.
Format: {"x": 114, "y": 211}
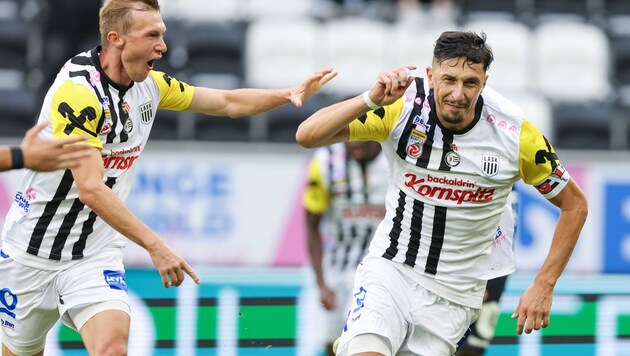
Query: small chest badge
{"x": 414, "y": 150}
{"x": 107, "y": 124}
{"x": 128, "y": 126}
{"x": 451, "y": 158}
{"x": 146, "y": 112}
{"x": 490, "y": 165}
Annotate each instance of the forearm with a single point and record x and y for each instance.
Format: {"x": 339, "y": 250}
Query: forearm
{"x": 327, "y": 125}
{"x": 104, "y": 202}
{"x": 248, "y": 102}
{"x": 238, "y": 102}
{"x": 6, "y": 162}
{"x": 315, "y": 252}
{"x": 564, "y": 240}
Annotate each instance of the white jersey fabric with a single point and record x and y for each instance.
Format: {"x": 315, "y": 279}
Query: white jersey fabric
{"x": 351, "y": 197}
{"x": 48, "y": 226}
{"x": 448, "y": 189}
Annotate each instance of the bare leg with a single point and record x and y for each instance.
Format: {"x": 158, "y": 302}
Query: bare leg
{"x": 107, "y": 333}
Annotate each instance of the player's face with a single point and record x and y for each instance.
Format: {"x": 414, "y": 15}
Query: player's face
{"x": 456, "y": 84}
{"x": 144, "y": 44}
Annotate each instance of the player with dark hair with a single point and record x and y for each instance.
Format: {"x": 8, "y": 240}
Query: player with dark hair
{"x": 455, "y": 149}
{"x": 64, "y": 234}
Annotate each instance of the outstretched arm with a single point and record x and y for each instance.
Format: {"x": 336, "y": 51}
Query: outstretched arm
{"x": 246, "y": 102}
{"x": 534, "y": 306}
{"x": 40, "y": 154}
{"x": 330, "y": 124}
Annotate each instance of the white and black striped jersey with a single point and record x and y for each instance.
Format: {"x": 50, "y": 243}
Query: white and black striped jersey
{"x": 448, "y": 188}
{"x": 351, "y": 196}
{"x": 47, "y": 225}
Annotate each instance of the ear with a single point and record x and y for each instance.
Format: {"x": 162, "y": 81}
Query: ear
{"x": 430, "y": 77}
{"x": 115, "y": 40}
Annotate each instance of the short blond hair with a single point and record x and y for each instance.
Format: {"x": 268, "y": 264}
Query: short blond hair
{"x": 115, "y": 15}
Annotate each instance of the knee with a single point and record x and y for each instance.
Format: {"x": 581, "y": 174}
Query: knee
{"x": 115, "y": 347}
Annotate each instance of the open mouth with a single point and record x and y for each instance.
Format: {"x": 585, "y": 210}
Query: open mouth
{"x": 151, "y": 63}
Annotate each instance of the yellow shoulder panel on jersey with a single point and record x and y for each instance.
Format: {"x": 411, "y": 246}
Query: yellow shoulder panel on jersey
{"x": 316, "y": 198}
{"x": 75, "y": 111}
{"x": 174, "y": 94}
{"x": 376, "y": 125}
{"x": 537, "y": 158}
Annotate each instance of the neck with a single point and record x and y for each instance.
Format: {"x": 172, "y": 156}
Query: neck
{"x": 112, "y": 65}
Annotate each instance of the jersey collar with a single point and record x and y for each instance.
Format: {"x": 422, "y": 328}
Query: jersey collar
{"x": 94, "y": 54}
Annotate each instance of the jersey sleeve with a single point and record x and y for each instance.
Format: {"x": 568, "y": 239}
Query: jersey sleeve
{"x": 376, "y": 125}
{"x": 316, "y": 198}
{"x": 538, "y": 163}
{"x": 174, "y": 94}
{"x": 76, "y": 111}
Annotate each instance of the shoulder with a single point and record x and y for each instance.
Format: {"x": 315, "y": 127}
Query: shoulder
{"x": 498, "y": 104}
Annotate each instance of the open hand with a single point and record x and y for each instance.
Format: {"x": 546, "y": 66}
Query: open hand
{"x": 533, "y": 309}
{"x": 41, "y": 154}
{"x": 390, "y": 86}
{"x": 311, "y": 86}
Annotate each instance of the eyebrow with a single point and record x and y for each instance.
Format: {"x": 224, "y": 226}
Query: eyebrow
{"x": 466, "y": 79}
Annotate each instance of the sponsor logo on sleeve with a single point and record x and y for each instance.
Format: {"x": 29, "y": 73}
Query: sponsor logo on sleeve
{"x": 557, "y": 175}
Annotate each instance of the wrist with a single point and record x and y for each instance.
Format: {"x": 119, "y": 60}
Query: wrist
{"x": 17, "y": 158}
{"x": 366, "y": 99}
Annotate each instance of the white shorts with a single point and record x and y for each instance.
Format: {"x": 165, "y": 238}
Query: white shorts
{"x": 33, "y": 299}
{"x": 412, "y": 319}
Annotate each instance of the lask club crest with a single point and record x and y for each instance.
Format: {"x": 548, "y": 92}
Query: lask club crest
{"x": 490, "y": 165}
{"x": 146, "y": 112}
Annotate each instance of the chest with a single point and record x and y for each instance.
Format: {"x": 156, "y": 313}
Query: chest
{"x": 126, "y": 119}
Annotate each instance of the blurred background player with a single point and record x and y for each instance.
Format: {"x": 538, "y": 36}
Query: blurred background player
{"x": 347, "y": 184}
{"x": 481, "y": 332}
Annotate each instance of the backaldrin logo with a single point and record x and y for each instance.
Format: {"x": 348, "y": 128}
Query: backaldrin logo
{"x": 420, "y": 185}
{"x": 115, "y": 159}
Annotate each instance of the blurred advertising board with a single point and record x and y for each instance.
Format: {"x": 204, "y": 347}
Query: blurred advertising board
{"x": 247, "y": 311}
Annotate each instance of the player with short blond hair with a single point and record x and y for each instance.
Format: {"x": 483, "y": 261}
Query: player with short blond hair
{"x": 63, "y": 238}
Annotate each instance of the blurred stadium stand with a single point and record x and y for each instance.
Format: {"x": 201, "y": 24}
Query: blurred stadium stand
{"x": 568, "y": 59}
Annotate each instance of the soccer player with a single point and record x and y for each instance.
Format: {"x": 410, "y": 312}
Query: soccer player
{"x": 40, "y": 154}
{"x": 65, "y": 232}
{"x": 346, "y": 196}
{"x": 455, "y": 149}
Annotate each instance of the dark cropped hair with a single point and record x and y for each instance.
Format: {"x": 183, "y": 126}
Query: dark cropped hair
{"x": 468, "y": 45}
